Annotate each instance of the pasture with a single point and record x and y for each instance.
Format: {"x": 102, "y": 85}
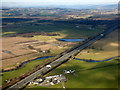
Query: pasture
{"x": 102, "y": 49}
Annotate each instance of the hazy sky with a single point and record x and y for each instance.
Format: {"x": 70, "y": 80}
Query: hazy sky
{"x": 66, "y": 1}
{"x": 28, "y": 3}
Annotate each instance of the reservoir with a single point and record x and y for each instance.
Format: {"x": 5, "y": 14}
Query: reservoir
{"x": 71, "y": 40}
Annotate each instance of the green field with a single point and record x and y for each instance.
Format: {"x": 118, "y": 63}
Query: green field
{"x": 102, "y": 77}
{"x": 93, "y": 74}
{"x": 65, "y": 31}
{"x": 102, "y": 49}
{"x": 68, "y": 30}
{"x": 28, "y": 67}
{"x": 82, "y": 79}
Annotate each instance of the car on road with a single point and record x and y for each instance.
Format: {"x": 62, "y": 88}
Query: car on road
{"x": 101, "y": 34}
{"x": 48, "y": 66}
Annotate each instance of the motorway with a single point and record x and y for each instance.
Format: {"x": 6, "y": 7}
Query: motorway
{"x": 60, "y": 60}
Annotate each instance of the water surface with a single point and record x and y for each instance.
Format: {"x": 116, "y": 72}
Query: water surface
{"x": 71, "y": 40}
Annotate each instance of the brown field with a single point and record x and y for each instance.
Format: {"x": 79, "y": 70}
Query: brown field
{"x": 18, "y": 51}
{"x": 13, "y": 62}
{"x": 9, "y": 44}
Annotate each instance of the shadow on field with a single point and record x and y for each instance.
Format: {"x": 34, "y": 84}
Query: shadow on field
{"x": 102, "y": 67}
{"x": 71, "y": 27}
{"x": 105, "y": 76}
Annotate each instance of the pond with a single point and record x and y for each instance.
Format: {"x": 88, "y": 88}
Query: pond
{"x": 71, "y": 40}
{"x": 6, "y": 51}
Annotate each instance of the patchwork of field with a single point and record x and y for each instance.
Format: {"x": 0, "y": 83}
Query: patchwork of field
{"x": 18, "y": 49}
{"x": 88, "y": 74}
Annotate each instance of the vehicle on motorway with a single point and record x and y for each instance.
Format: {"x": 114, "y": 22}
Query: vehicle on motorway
{"x": 101, "y": 34}
{"x": 48, "y": 66}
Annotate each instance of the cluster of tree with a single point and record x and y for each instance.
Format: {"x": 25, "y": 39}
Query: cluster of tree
{"x": 87, "y": 22}
{"x": 37, "y": 33}
{"x": 6, "y": 20}
{"x": 104, "y": 16}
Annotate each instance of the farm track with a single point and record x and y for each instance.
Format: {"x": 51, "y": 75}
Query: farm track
{"x": 19, "y": 55}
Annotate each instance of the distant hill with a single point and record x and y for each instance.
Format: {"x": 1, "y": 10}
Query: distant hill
{"x": 111, "y": 6}
{"x": 78, "y": 6}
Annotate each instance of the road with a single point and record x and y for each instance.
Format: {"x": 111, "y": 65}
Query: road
{"x": 60, "y": 60}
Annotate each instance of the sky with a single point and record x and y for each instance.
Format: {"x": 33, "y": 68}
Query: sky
{"x": 68, "y": 1}
{"x": 56, "y": 2}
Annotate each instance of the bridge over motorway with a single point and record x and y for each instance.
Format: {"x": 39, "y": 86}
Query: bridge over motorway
{"x": 58, "y": 61}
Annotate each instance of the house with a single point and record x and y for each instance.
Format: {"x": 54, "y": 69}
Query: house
{"x": 56, "y": 79}
{"x": 52, "y": 76}
{"x": 40, "y": 80}
{"x": 48, "y": 81}
{"x": 69, "y": 71}
{"x": 61, "y": 78}
{"x": 44, "y": 51}
{"x": 34, "y": 83}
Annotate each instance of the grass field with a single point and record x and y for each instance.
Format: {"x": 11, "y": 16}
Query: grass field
{"x": 69, "y": 30}
{"x": 93, "y": 74}
{"x": 65, "y": 31}
{"x": 103, "y": 77}
{"x": 103, "y": 49}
